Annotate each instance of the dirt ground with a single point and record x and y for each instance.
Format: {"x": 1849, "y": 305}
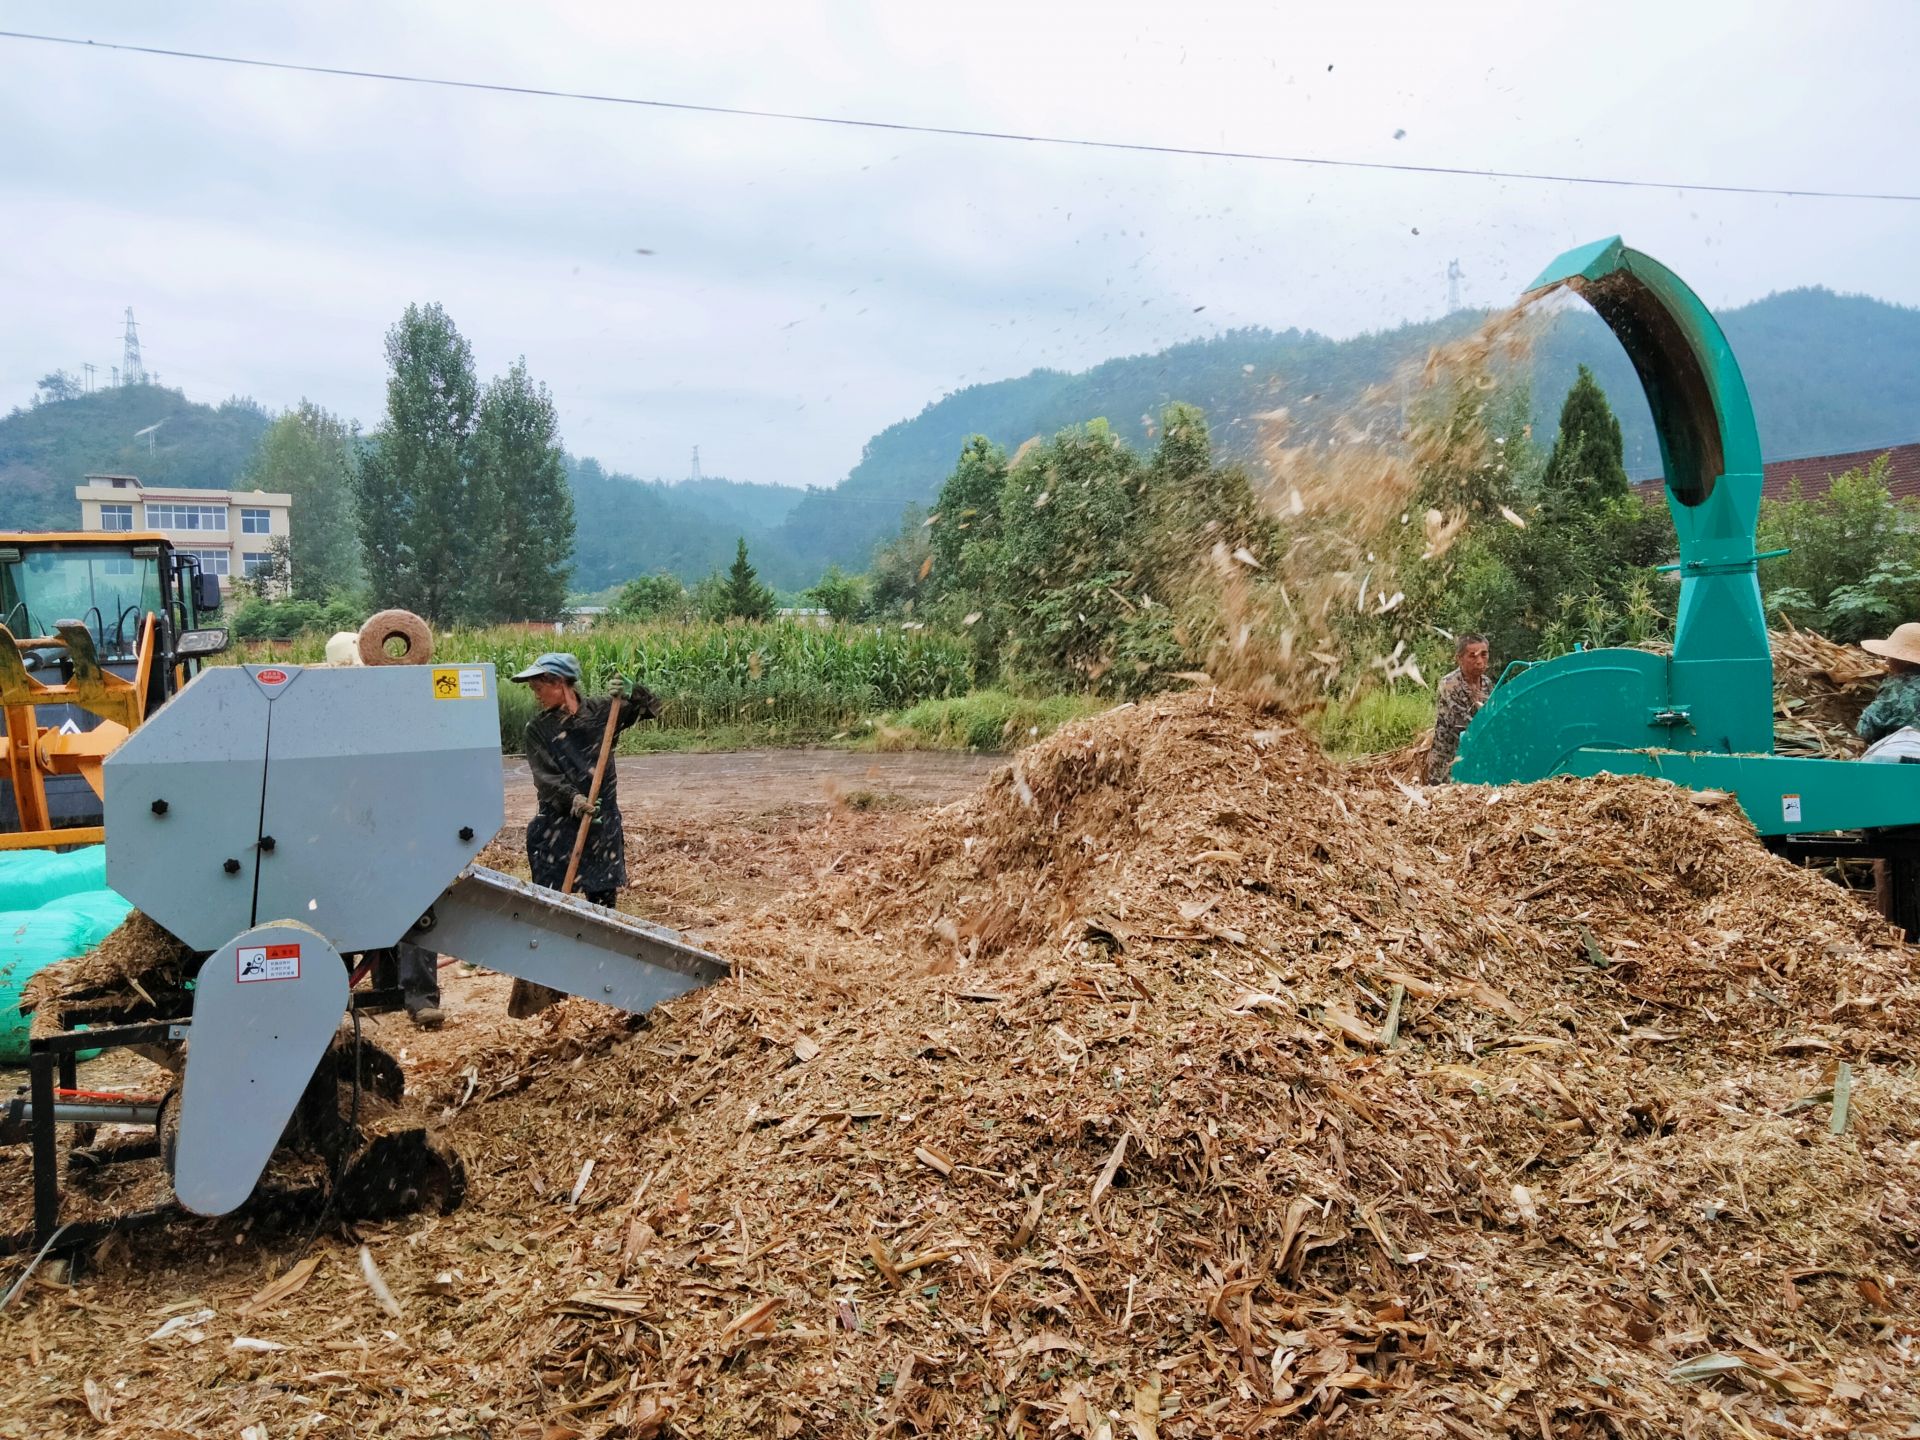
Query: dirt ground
{"x": 747, "y": 783}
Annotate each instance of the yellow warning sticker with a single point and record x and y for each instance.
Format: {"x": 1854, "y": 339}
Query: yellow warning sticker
{"x": 459, "y": 682}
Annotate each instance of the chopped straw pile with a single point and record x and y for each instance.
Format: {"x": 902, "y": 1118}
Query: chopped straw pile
{"x": 1177, "y": 1084}
{"x": 1819, "y": 690}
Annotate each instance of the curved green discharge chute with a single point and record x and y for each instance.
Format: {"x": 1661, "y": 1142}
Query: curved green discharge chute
{"x": 1715, "y": 692}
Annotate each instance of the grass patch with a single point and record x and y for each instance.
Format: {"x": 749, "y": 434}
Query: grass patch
{"x": 648, "y": 738}
{"x": 1372, "y": 723}
{"x": 984, "y": 720}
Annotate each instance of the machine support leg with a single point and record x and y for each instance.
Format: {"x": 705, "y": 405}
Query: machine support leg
{"x": 46, "y": 1160}
{"x": 69, "y": 1070}
{"x": 1903, "y": 895}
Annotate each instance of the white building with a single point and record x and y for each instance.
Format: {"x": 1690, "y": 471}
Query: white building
{"x": 229, "y": 530}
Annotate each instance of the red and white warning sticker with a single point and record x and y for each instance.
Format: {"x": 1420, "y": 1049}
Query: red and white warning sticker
{"x": 266, "y": 962}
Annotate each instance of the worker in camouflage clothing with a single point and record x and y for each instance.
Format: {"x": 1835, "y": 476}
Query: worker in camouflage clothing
{"x": 1897, "y": 706}
{"x": 562, "y": 747}
{"x": 1462, "y": 692}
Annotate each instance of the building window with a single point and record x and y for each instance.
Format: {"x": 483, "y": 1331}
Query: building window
{"x": 252, "y": 562}
{"x": 256, "y": 522}
{"x": 212, "y": 562}
{"x": 116, "y": 517}
{"x": 187, "y": 517}
{"x": 120, "y": 566}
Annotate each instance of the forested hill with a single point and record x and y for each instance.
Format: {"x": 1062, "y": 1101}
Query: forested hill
{"x": 45, "y": 451}
{"x": 1827, "y": 373}
{"x": 626, "y": 527}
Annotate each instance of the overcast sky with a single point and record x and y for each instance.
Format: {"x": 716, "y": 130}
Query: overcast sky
{"x": 776, "y": 292}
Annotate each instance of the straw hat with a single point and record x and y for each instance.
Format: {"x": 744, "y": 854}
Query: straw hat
{"x": 1903, "y": 644}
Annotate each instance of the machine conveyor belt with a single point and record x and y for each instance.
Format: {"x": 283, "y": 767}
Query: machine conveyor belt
{"x": 502, "y": 923}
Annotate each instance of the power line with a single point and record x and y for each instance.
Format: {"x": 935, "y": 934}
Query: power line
{"x": 954, "y": 131}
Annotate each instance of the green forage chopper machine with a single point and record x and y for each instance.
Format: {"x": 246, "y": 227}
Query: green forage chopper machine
{"x": 1701, "y": 716}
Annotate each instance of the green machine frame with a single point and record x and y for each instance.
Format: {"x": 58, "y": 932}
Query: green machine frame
{"x": 1702, "y": 716}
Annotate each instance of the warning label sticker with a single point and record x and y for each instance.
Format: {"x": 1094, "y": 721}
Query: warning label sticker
{"x": 266, "y": 962}
{"x": 460, "y": 682}
{"x": 1790, "y": 809}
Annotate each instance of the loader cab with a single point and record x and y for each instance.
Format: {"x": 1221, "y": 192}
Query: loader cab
{"x": 149, "y": 618}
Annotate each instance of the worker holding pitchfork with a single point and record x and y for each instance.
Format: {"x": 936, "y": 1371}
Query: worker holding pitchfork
{"x": 574, "y": 841}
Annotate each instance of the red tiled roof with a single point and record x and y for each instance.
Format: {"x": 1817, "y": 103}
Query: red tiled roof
{"x": 1816, "y": 472}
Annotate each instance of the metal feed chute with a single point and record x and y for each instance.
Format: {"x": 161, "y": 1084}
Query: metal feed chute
{"x": 345, "y": 799}
{"x": 277, "y": 819}
{"x": 1703, "y": 715}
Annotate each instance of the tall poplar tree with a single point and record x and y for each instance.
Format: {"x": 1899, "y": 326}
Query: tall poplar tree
{"x": 530, "y": 527}
{"x": 423, "y": 502}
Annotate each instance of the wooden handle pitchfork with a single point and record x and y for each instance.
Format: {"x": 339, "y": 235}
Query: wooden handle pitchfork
{"x": 528, "y": 996}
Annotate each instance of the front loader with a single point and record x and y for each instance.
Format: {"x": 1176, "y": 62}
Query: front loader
{"x": 97, "y": 630}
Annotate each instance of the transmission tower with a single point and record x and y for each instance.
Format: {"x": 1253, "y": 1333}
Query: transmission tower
{"x": 87, "y": 368}
{"x": 134, "y": 372}
{"x": 694, "y": 473}
{"x": 116, "y": 375}
{"x": 1453, "y": 286}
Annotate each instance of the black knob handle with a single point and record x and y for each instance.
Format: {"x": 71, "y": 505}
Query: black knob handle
{"x": 232, "y": 866}
{"x": 466, "y": 833}
{"x": 266, "y": 843}
{"x": 159, "y": 807}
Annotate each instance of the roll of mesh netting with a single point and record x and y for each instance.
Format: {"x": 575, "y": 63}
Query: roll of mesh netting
{"x": 382, "y": 630}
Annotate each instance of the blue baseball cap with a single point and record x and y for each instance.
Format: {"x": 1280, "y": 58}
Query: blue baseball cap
{"x": 556, "y": 663}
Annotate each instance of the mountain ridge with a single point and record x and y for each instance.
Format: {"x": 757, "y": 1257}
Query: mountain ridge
{"x": 1828, "y": 373}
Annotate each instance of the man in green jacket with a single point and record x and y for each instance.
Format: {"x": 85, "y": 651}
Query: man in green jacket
{"x": 562, "y": 746}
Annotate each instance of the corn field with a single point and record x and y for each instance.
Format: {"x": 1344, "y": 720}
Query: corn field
{"x": 789, "y": 680}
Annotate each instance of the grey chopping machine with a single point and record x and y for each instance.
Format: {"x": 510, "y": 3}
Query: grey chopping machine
{"x": 275, "y": 821}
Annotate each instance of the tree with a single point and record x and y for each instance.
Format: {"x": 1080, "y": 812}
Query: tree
{"x": 708, "y": 598}
{"x": 842, "y": 596}
{"x": 1853, "y": 561}
{"x": 422, "y": 506}
{"x": 521, "y": 483}
{"x": 56, "y": 386}
{"x": 1543, "y": 564}
{"x": 1191, "y": 506}
{"x": 745, "y": 598}
{"x": 1066, "y": 591}
{"x": 272, "y": 578}
{"x": 652, "y": 597}
{"x": 308, "y": 453}
{"x": 899, "y": 569}
{"x": 1584, "y": 468}
{"x": 966, "y": 521}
